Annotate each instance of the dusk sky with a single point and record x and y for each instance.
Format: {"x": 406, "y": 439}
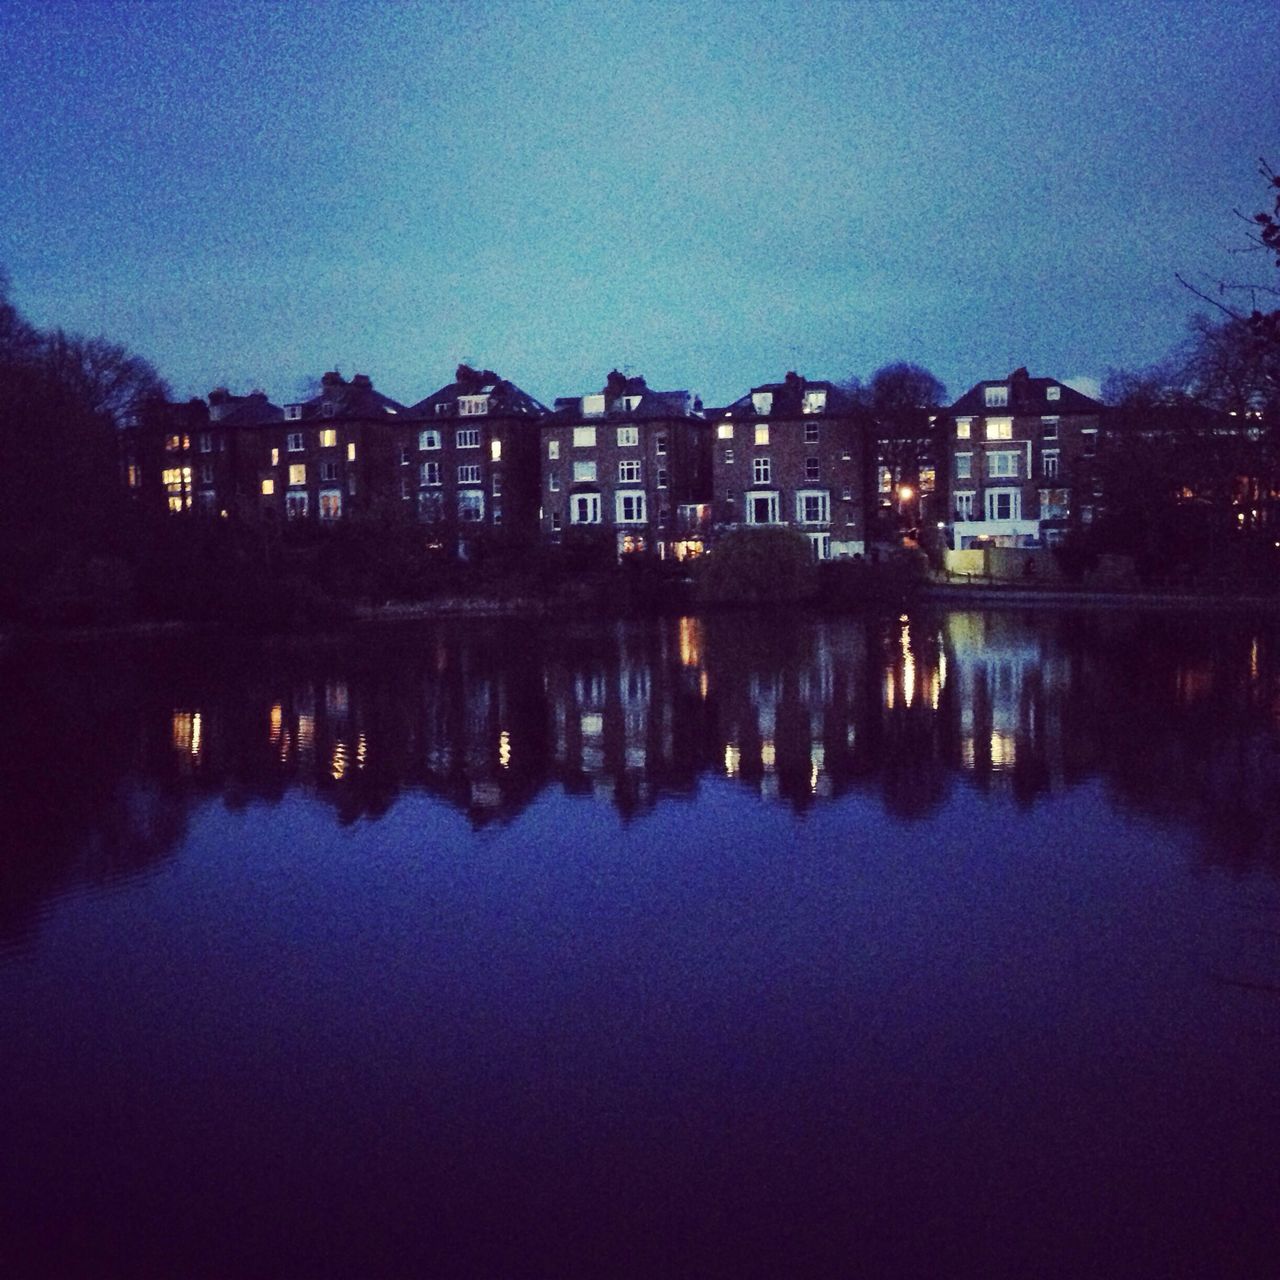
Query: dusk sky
{"x": 708, "y": 194}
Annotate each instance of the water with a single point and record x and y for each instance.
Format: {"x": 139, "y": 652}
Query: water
{"x": 942, "y": 945}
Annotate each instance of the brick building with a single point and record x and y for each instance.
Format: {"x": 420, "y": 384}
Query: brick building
{"x": 793, "y": 453}
{"x": 1022, "y": 462}
{"x": 632, "y": 463}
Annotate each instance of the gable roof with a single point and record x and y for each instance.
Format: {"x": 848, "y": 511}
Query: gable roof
{"x": 339, "y": 398}
{"x": 506, "y": 400}
{"x": 618, "y": 393}
{"x": 787, "y": 399}
{"x": 1026, "y": 395}
{"x": 253, "y": 410}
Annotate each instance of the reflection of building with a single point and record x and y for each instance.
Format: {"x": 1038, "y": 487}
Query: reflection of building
{"x": 1022, "y": 453}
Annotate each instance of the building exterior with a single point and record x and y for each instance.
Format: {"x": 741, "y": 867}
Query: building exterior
{"x": 631, "y": 463}
{"x": 467, "y": 458}
{"x": 166, "y": 450}
{"x": 793, "y": 453}
{"x": 1022, "y": 458}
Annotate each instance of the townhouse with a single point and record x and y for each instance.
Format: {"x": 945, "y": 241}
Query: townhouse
{"x": 794, "y": 453}
{"x": 1022, "y": 462}
{"x": 632, "y": 463}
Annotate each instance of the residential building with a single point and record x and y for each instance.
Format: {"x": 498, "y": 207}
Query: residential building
{"x": 1022, "y": 462}
{"x": 632, "y": 463}
{"x": 166, "y": 450}
{"x": 792, "y": 453}
{"x": 467, "y": 458}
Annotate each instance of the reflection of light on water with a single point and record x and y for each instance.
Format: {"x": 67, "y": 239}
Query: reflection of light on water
{"x": 703, "y": 686}
{"x": 196, "y": 735}
{"x": 362, "y": 750}
{"x": 967, "y": 754}
{"x": 338, "y": 766}
{"x": 888, "y": 690}
{"x": 942, "y": 671}
{"x": 768, "y": 755}
{"x": 817, "y": 757}
{"x": 908, "y": 663}
{"x": 504, "y": 749}
{"x": 1253, "y": 659}
{"x": 336, "y": 697}
{"x": 732, "y": 760}
{"x": 1004, "y": 750}
{"x": 690, "y": 642}
{"x": 187, "y": 732}
{"x": 306, "y": 734}
{"x": 277, "y": 722}
{"x": 935, "y": 689}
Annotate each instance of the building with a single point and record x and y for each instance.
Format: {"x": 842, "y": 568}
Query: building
{"x": 1022, "y": 458}
{"x": 467, "y": 458}
{"x": 793, "y": 453}
{"x": 236, "y": 425}
{"x": 166, "y": 449}
{"x": 631, "y": 463}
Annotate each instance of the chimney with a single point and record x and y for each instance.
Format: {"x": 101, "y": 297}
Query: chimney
{"x": 362, "y": 380}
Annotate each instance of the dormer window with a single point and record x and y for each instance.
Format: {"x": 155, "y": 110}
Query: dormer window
{"x": 629, "y": 402}
{"x": 762, "y": 402}
{"x": 815, "y": 401}
{"x": 470, "y": 406}
{"x": 442, "y": 408}
{"x": 996, "y": 397}
{"x": 328, "y": 408}
{"x": 292, "y": 412}
{"x": 592, "y": 406}
{"x": 1053, "y": 393}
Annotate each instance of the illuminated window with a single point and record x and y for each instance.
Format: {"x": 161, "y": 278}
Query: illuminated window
{"x": 963, "y": 428}
{"x": 762, "y": 433}
{"x": 592, "y": 405}
{"x": 995, "y": 397}
{"x": 268, "y": 487}
{"x": 429, "y": 473}
{"x": 999, "y": 428}
{"x": 584, "y": 437}
{"x": 351, "y": 452}
{"x": 884, "y": 480}
{"x": 295, "y": 505}
{"x": 135, "y": 475}
{"x": 725, "y": 431}
{"x": 628, "y": 436}
{"x": 467, "y": 438}
{"x": 328, "y": 440}
{"x": 297, "y": 473}
{"x": 495, "y": 450}
{"x": 469, "y": 474}
{"x": 330, "y": 504}
{"x": 275, "y": 457}
{"x": 630, "y": 507}
{"x": 553, "y": 449}
{"x": 429, "y": 439}
{"x": 628, "y": 473}
{"x": 762, "y": 402}
{"x": 761, "y": 471}
{"x": 470, "y": 506}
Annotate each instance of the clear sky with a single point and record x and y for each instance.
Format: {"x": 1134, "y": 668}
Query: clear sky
{"x": 708, "y": 194}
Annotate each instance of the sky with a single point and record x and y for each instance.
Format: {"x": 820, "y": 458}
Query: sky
{"x": 708, "y": 194}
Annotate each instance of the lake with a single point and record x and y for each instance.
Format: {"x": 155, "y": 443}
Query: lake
{"x": 941, "y": 944}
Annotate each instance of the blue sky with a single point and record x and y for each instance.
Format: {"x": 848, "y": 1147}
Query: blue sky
{"x": 708, "y": 194}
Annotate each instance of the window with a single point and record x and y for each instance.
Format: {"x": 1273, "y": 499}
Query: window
{"x": 811, "y": 470}
{"x": 630, "y": 507}
{"x": 328, "y": 471}
{"x": 329, "y": 409}
{"x": 406, "y": 455}
{"x": 495, "y": 512}
{"x": 628, "y": 473}
{"x": 295, "y": 442}
{"x": 1004, "y": 504}
{"x": 268, "y": 487}
{"x": 442, "y": 408}
{"x": 429, "y": 473}
{"x": 467, "y": 438}
{"x": 964, "y": 466}
{"x": 469, "y": 474}
{"x": 884, "y": 480}
{"x": 762, "y": 508}
{"x": 964, "y": 506}
{"x": 495, "y": 450}
{"x": 1049, "y": 428}
{"x": 846, "y": 495}
{"x": 330, "y": 504}
{"x": 135, "y": 475}
{"x": 813, "y": 506}
{"x": 815, "y": 402}
{"x": 584, "y": 437}
{"x": 470, "y": 506}
{"x": 1050, "y": 460}
{"x": 964, "y": 428}
{"x": 1053, "y": 393}
{"x": 472, "y": 406}
{"x": 999, "y": 428}
{"x": 762, "y": 433}
{"x": 430, "y": 506}
{"x": 724, "y": 431}
{"x": 664, "y": 478}
{"x": 295, "y": 505}
{"x": 176, "y": 479}
{"x": 406, "y": 488}
{"x": 275, "y": 457}
{"x": 761, "y": 471}
{"x": 660, "y": 442}
{"x": 584, "y": 508}
{"x": 206, "y": 442}
{"x": 328, "y": 440}
{"x": 592, "y": 405}
{"x": 553, "y": 449}
{"x": 995, "y": 397}
{"x": 175, "y": 444}
{"x": 1002, "y": 463}
{"x": 495, "y": 487}
{"x": 728, "y": 455}
{"x": 206, "y": 473}
{"x": 762, "y": 402}
{"x": 1089, "y": 441}
{"x": 298, "y": 473}
{"x": 429, "y": 439}
{"x": 553, "y": 481}
{"x": 351, "y": 452}
{"x": 555, "y": 522}
{"x": 628, "y": 436}
{"x": 811, "y": 433}
{"x": 584, "y": 473}
{"x": 292, "y": 412}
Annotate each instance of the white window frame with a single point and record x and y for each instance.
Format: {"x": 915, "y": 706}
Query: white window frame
{"x": 467, "y": 438}
{"x": 761, "y": 471}
{"x": 628, "y": 437}
{"x": 1051, "y": 463}
{"x": 295, "y": 442}
{"x": 762, "y": 433}
{"x": 469, "y": 473}
{"x": 758, "y": 495}
{"x": 1002, "y": 464}
{"x": 964, "y": 428}
{"x": 964, "y": 466}
{"x": 297, "y": 474}
{"x": 996, "y": 397}
{"x": 964, "y": 504}
{"x": 999, "y": 429}
{"x": 819, "y": 499}
{"x": 584, "y": 508}
{"x": 992, "y": 502}
{"x": 470, "y": 506}
{"x": 429, "y": 473}
{"x": 584, "y": 471}
{"x": 473, "y": 406}
{"x": 1053, "y": 393}
{"x": 429, "y": 439}
{"x": 553, "y": 449}
{"x": 584, "y": 437}
{"x": 629, "y": 506}
{"x": 330, "y": 504}
{"x": 629, "y": 471}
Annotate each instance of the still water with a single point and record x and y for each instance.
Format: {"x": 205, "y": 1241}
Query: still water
{"x": 934, "y": 945}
